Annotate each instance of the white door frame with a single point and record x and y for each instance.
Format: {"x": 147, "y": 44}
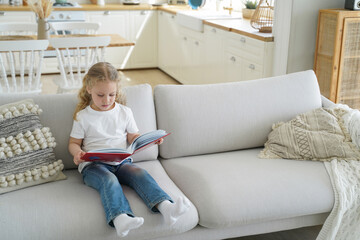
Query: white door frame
{"x": 281, "y": 33}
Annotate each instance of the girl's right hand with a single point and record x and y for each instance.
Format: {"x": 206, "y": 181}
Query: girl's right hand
{"x": 78, "y": 156}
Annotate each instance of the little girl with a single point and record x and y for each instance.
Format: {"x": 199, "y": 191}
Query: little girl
{"x": 102, "y": 121}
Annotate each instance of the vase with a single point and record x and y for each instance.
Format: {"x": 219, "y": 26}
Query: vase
{"x": 247, "y": 13}
{"x": 43, "y": 29}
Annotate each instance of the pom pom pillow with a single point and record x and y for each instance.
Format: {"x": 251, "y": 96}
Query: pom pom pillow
{"x": 26, "y": 148}
{"x": 319, "y": 135}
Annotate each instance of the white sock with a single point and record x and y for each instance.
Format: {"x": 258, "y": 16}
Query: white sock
{"x": 173, "y": 211}
{"x": 124, "y": 223}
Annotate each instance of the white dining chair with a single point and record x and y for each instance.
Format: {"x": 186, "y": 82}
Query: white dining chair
{"x": 63, "y": 28}
{"x": 18, "y": 28}
{"x": 75, "y": 56}
{"x": 20, "y": 63}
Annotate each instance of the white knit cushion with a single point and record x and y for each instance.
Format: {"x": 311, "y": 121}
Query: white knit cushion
{"x": 26, "y": 148}
{"x": 318, "y": 135}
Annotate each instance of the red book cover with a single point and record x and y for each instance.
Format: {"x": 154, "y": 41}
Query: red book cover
{"x": 117, "y": 155}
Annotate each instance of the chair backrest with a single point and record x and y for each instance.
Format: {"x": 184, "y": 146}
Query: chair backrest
{"x": 76, "y": 55}
{"x": 63, "y": 28}
{"x": 20, "y": 63}
{"x": 18, "y": 28}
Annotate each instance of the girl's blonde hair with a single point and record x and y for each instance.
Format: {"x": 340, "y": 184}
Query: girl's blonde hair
{"x": 99, "y": 72}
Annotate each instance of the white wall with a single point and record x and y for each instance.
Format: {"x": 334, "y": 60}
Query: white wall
{"x": 303, "y": 29}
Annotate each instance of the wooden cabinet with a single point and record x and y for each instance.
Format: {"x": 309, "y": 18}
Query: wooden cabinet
{"x": 337, "y": 56}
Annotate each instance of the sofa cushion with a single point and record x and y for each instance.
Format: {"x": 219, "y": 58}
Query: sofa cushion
{"x": 221, "y": 117}
{"x": 26, "y": 148}
{"x": 238, "y": 188}
{"x": 59, "y": 108}
{"x": 71, "y": 210}
{"x": 318, "y": 135}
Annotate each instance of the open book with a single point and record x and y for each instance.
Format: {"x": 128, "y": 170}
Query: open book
{"x": 117, "y": 154}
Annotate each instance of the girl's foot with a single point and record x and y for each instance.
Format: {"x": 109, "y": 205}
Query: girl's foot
{"x": 173, "y": 211}
{"x": 124, "y": 223}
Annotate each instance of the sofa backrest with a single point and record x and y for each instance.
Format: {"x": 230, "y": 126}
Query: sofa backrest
{"x": 224, "y": 117}
{"x": 58, "y": 110}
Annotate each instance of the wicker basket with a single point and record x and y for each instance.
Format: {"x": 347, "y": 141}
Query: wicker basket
{"x": 263, "y": 16}
{"x": 248, "y": 13}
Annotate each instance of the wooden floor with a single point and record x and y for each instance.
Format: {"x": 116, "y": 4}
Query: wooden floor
{"x": 155, "y": 77}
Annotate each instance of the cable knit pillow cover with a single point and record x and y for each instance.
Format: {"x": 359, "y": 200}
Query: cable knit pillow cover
{"x": 318, "y": 135}
{"x": 26, "y": 148}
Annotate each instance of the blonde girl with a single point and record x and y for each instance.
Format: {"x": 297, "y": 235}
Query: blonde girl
{"x": 101, "y": 120}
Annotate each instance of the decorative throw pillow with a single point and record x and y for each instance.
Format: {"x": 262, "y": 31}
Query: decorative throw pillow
{"x": 318, "y": 135}
{"x": 26, "y": 148}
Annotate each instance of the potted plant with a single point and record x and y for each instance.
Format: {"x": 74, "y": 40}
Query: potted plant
{"x": 249, "y": 9}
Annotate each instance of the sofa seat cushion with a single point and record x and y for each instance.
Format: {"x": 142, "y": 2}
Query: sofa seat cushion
{"x": 237, "y": 188}
{"x": 71, "y": 210}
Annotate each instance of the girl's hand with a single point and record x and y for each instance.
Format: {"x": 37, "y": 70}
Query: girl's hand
{"x": 78, "y": 156}
{"x": 160, "y": 141}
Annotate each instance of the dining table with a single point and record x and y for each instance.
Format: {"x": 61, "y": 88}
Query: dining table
{"x": 115, "y": 41}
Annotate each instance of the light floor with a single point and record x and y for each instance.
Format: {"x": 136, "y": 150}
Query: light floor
{"x": 155, "y": 77}
{"x": 308, "y": 233}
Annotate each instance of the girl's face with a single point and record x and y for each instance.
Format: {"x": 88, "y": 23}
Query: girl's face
{"x": 103, "y": 95}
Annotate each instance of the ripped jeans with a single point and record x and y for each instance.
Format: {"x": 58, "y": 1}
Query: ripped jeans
{"x": 106, "y": 179}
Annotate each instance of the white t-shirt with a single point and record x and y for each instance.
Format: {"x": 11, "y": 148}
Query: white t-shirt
{"x": 103, "y": 129}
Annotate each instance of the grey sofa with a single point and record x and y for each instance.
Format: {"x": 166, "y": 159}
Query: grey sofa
{"x": 211, "y": 157}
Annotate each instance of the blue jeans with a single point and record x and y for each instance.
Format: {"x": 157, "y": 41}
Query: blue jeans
{"x": 106, "y": 179}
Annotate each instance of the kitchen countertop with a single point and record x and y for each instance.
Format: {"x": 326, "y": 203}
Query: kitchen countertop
{"x": 241, "y": 26}
{"x": 233, "y": 25}
{"x": 108, "y": 7}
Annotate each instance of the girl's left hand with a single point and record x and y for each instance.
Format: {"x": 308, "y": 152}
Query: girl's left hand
{"x": 160, "y": 141}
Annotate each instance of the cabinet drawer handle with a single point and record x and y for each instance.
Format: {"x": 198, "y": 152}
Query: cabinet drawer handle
{"x": 2, "y": 13}
{"x": 196, "y": 43}
{"x": 143, "y": 12}
{"x": 233, "y": 59}
{"x": 173, "y": 16}
{"x": 161, "y": 13}
{"x": 252, "y": 66}
{"x": 213, "y": 30}
{"x": 243, "y": 40}
{"x": 185, "y": 38}
{"x": 107, "y": 13}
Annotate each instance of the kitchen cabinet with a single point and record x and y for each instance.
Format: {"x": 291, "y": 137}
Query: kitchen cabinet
{"x": 137, "y": 26}
{"x": 246, "y": 58}
{"x": 113, "y": 22}
{"x": 169, "y": 42}
{"x": 337, "y": 56}
{"x": 214, "y": 54}
{"x": 144, "y": 32}
{"x": 192, "y": 57}
{"x": 17, "y": 16}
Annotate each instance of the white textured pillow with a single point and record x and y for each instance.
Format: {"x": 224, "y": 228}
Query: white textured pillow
{"x": 26, "y": 148}
{"x": 318, "y": 135}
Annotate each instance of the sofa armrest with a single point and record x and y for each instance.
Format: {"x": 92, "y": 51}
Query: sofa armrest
{"x": 326, "y": 102}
